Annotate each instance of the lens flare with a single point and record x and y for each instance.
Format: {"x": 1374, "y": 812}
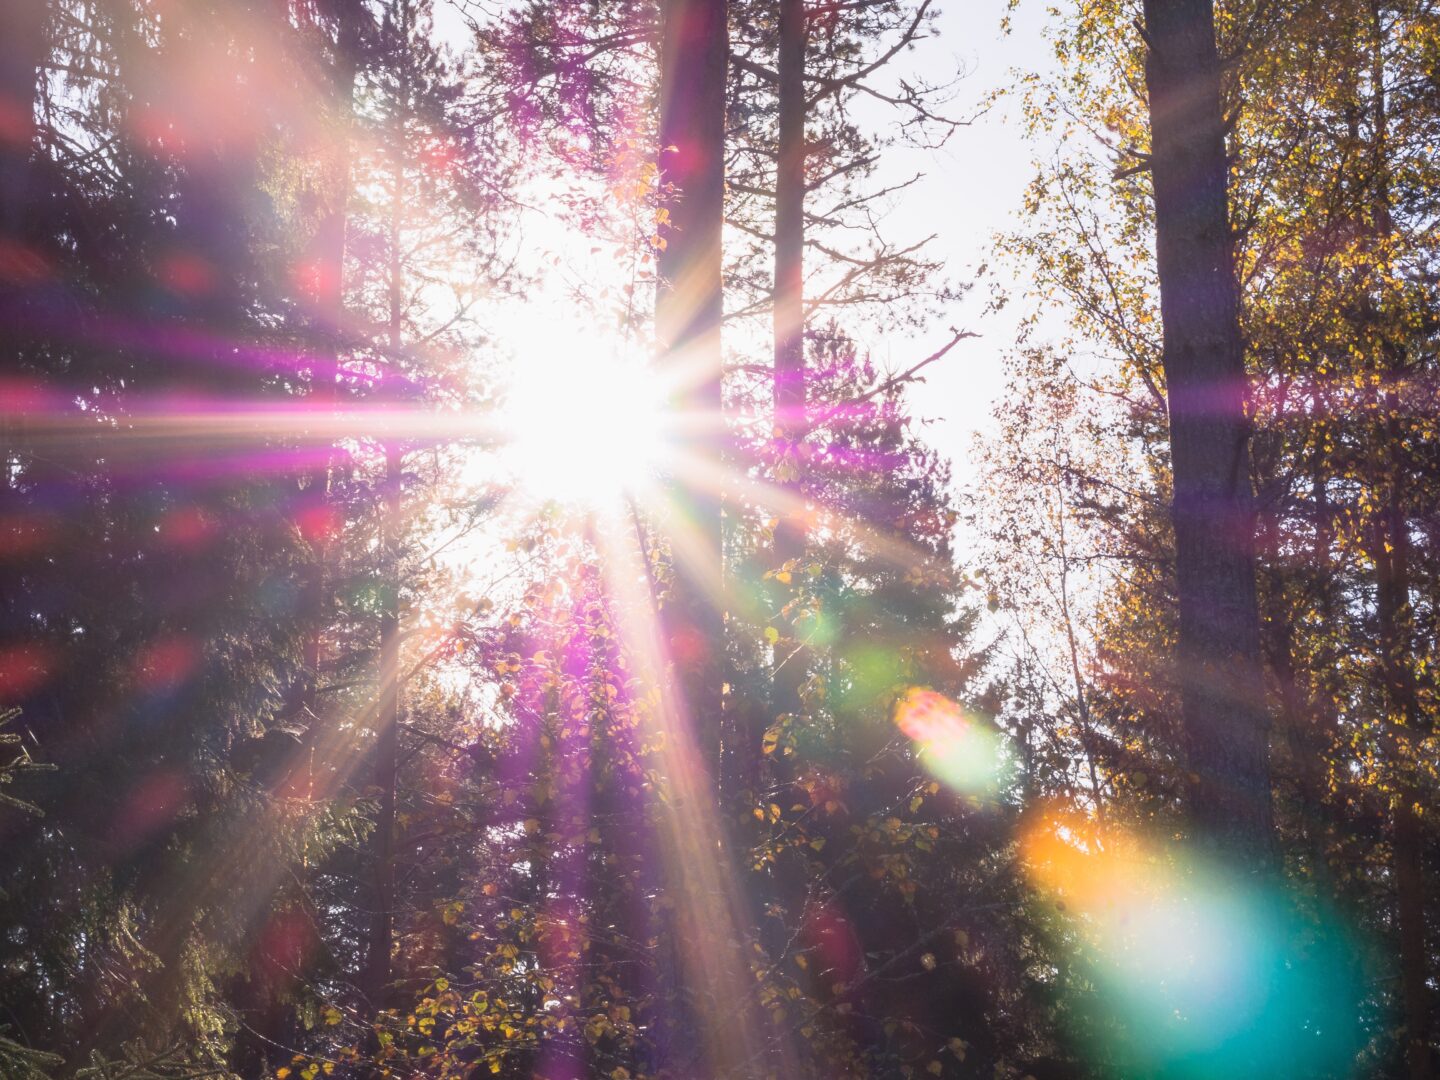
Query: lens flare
{"x": 1201, "y": 971}
{"x": 959, "y": 749}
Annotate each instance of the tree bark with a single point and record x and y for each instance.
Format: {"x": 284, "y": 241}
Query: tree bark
{"x": 1394, "y": 612}
{"x": 1393, "y": 618}
{"x": 789, "y": 317}
{"x": 378, "y": 973}
{"x": 688, "y": 310}
{"x": 328, "y": 300}
{"x": 1221, "y": 687}
{"x": 1408, "y": 858}
{"x": 22, "y": 47}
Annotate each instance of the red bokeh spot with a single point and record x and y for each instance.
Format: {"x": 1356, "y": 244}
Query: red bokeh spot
{"x": 284, "y": 943}
{"x": 317, "y": 522}
{"x": 21, "y": 265}
{"x": 152, "y": 804}
{"x": 153, "y": 124}
{"x": 23, "y": 668}
{"x": 297, "y": 783}
{"x": 187, "y": 528}
{"x": 830, "y": 934}
{"x": 824, "y": 788}
{"x": 187, "y": 274}
{"x": 20, "y": 396}
{"x": 688, "y": 647}
{"x": 166, "y": 663}
{"x": 24, "y": 534}
{"x": 17, "y": 120}
{"x": 439, "y": 160}
{"x": 315, "y": 279}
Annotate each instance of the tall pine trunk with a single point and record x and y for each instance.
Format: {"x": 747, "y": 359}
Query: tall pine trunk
{"x": 1222, "y": 694}
{"x": 710, "y": 999}
{"x": 1394, "y": 612}
{"x": 790, "y": 323}
{"x": 22, "y": 47}
{"x": 378, "y": 968}
{"x": 260, "y": 1044}
{"x": 688, "y": 310}
{"x": 1408, "y": 854}
{"x": 328, "y": 299}
{"x": 1394, "y": 616}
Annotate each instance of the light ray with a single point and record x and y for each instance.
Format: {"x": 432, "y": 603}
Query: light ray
{"x": 715, "y": 947}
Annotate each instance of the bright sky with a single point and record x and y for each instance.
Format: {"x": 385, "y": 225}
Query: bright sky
{"x": 971, "y": 189}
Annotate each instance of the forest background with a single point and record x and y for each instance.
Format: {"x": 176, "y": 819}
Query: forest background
{"x": 703, "y": 538}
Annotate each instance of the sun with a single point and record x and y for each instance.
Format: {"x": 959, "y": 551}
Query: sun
{"x": 583, "y": 419}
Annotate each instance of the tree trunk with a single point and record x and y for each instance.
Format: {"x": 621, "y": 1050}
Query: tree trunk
{"x": 706, "y": 990}
{"x": 1222, "y": 693}
{"x": 328, "y": 299}
{"x": 1408, "y": 857}
{"x": 1301, "y": 722}
{"x": 378, "y": 975}
{"x": 1393, "y": 608}
{"x": 790, "y": 325}
{"x": 22, "y": 47}
{"x": 688, "y": 309}
{"x": 1393, "y": 618}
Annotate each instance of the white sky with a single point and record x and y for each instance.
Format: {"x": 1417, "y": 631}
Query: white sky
{"x": 971, "y": 189}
